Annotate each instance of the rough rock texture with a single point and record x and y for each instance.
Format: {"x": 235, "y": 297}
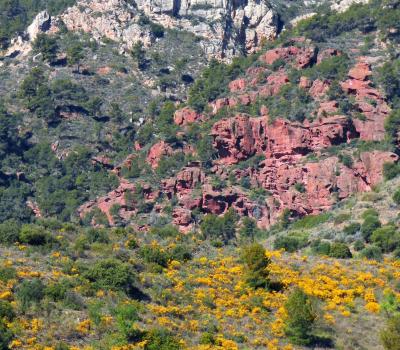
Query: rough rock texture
{"x": 186, "y": 116}
{"x": 157, "y": 151}
{"x": 241, "y": 137}
{"x": 225, "y": 27}
{"x": 22, "y": 44}
{"x": 370, "y": 102}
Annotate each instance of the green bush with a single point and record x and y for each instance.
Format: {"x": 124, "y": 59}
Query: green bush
{"x": 154, "y": 255}
{"x": 47, "y": 46}
{"x": 390, "y": 335}
{"x": 300, "y": 323}
{"x": 5, "y": 336}
{"x": 111, "y": 274}
{"x": 386, "y": 237}
{"x": 369, "y": 212}
{"x": 34, "y": 235}
{"x": 391, "y": 170}
{"x": 340, "y": 251}
{"x": 320, "y": 247}
{"x": 6, "y": 311}
{"x": 311, "y": 221}
{"x": 9, "y": 231}
{"x": 30, "y": 292}
{"x": 291, "y": 242}
{"x": 370, "y": 224}
{"x": 249, "y": 228}
{"x": 223, "y": 227}
{"x": 127, "y": 316}
{"x": 359, "y": 245}
{"x": 372, "y": 253}
{"x": 256, "y": 262}
{"x": 161, "y": 339}
{"x": 165, "y": 231}
{"x": 352, "y": 228}
{"x": 181, "y": 252}
{"x": 396, "y": 197}
{"x": 7, "y": 273}
{"x": 97, "y": 235}
{"x": 57, "y": 291}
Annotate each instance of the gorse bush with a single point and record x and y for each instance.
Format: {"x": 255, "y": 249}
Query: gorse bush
{"x": 161, "y": 339}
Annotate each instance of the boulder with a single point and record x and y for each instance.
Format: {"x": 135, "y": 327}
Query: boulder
{"x": 186, "y": 116}
{"x": 157, "y": 151}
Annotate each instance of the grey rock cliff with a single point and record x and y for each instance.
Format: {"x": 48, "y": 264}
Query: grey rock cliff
{"x": 226, "y": 27}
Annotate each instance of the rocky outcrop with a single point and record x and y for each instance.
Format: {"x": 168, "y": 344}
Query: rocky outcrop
{"x": 225, "y": 28}
{"x": 156, "y": 152}
{"x": 186, "y": 116}
{"x": 22, "y": 44}
{"x": 370, "y": 102}
{"x": 241, "y": 137}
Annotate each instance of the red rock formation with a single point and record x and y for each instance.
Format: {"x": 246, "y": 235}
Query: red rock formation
{"x": 370, "y": 103}
{"x": 327, "y": 53}
{"x": 157, "y": 151}
{"x": 241, "y": 137}
{"x": 105, "y": 203}
{"x": 186, "y": 116}
{"x": 319, "y": 88}
{"x": 237, "y": 85}
{"x": 302, "y": 57}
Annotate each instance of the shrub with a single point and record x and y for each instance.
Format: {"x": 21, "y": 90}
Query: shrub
{"x": 249, "y": 228}
{"x": 30, "y": 292}
{"x": 370, "y": 224}
{"x": 34, "y": 235}
{"x": 352, "y": 228}
{"x": 6, "y": 311}
{"x": 341, "y": 218}
{"x": 299, "y": 187}
{"x": 386, "y": 237}
{"x": 181, "y": 252}
{"x": 9, "y": 231}
{"x": 396, "y": 197}
{"x": 154, "y": 255}
{"x": 257, "y": 263}
{"x": 391, "y": 170}
{"x": 7, "y": 273}
{"x": 47, "y": 46}
{"x": 127, "y": 315}
{"x": 299, "y": 325}
{"x": 161, "y": 339}
{"x": 97, "y": 235}
{"x": 390, "y": 335}
{"x": 320, "y": 247}
{"x": 359, "y": 245}
{"x": 372, "y": 253}
{"x": 58, "y": 290}
{"x": 340, "y": 251}
{"x": 5, "y": 336}
{"x": 369, "y": 212}
{"x": 292, "y": 242}
{"x": 223, "y": 227}
{"x": 111, "y": 274}
{"x": 165, "y": 231}
{"x": 311, "y": 221}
